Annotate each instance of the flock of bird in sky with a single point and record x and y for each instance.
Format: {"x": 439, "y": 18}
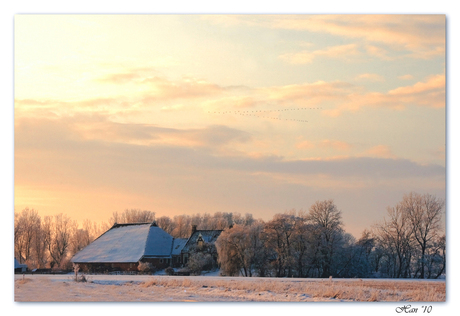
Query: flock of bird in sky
{"x": 265, "y": 113}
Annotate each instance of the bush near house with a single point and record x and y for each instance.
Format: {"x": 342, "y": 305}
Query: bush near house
{"x": 146, "y": 267}
{"x": 199, "y": 262}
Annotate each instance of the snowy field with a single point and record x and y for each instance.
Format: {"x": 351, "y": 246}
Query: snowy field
{"x": 146, "y": 288}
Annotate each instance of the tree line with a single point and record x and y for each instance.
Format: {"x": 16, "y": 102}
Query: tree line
{"x": 408, "y": 243}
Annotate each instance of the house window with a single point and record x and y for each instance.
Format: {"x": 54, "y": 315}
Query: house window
{"x": 161, "y": 260}
{"x": 200, "y": 241}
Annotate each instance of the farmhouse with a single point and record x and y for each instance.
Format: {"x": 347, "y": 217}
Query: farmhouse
{"x": 200, "y": 240}
{"x": 123, "y": 246}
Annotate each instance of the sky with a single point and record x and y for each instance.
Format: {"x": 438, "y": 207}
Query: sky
{"x": 260, "y": 114}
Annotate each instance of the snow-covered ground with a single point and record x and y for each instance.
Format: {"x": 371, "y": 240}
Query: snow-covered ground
{"x": 124, "y": 288}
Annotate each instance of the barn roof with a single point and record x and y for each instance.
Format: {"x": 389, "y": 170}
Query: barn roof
{"x": 159, "y": 243}
{"x": 127, "y": 243}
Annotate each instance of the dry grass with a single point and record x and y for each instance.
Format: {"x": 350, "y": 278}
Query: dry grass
{"x": 166, "y": 288}
{"x": 22, "y": 281}
{"x": 349, "y": 290}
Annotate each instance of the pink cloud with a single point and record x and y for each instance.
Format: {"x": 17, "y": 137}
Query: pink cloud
{"x": 422, "y": 36}
{"x": 433, "y": 84}
{"x": 370, "y": 77}
{"x": 312, "y": 92}
{"x": 429, "y": 93}
{"x": 305, "y": 145}
{"x": 334, "y": 144}
{"x": 418, "y": 33}
{"x": 130, "y": 75}
{"x": 306, "y": 57}
{"x": 186, "y": 88}
{"x": 379, "y": 151}
{"x": 406, "y": 77}
{"x": 324, "y": 144}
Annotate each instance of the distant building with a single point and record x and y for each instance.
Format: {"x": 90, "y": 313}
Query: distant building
{"x": 179, "y": 244}
{"x": 123, "y": 246}
{"x": 18, "y": 267}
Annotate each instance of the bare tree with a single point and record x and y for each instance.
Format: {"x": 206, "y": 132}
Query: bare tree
{"x": 229, "y": 248}
{"x": 438, "y": 257}
{"x": 424, "y": 214}
{"x": 166, "y": 224}
{"x": 182, "y": 226}
{"x": 18, "y": 240}
{"x": 395, "y": 237}
{"x": 132, "y": 216}
{"x": 39, "y": 247}
{"x": 279, "y": 232}
{"x": 241, "y": 250}
{"x": 26, "y": 232}
{"x": 365, "y": 246}
{"x": 302, "y": 242}
{"x": 58, "y": 232}
{"x": 207, "y": 222}
{"x": 327, "y": 220}
{"x": 80, "y": 238}
{"x": 409, "y": 236}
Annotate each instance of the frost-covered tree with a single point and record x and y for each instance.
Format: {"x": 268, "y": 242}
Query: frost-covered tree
{"x": 165, "y": 223}
{"x": 132, "y": 216}
{"x": 409, "y": 237}
{"x": 424, "y": 215}
{"x": 242, "y": 250}
{"x": 58, "y": 233}
{"x": 26, "y": 233}
{"x": 326, "y": 219}
{"x": 182, "y": 226}
{"x": 395, "y": 238}
{"x": 233, "y": 255}
{"x": 437, "y": 258}
{"x": 279, "y": 233}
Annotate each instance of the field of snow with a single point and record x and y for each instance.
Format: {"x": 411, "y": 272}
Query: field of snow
{"x": 128, "y": 288}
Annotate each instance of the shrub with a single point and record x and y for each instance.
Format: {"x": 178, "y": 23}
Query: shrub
{"x": 169, "y": 271}
{"x": 199, "y": 262}
{"x": 146, "y": 267}
{"x": 78, "y": 278}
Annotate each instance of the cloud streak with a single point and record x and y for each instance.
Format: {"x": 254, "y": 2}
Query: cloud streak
{"x": 90, "y": 128}
{"x": 51, "y": 136}
{"x": 416, "y": 36}
{"x": 337, "y": 97}
{"x": 327, "y": 144}
{"x": 344, "y": 52}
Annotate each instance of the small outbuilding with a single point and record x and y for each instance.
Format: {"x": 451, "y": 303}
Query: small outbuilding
{"x": 19, "y": 267}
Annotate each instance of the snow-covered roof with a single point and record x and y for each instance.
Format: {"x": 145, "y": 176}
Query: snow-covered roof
{"x": 209, "y": 236}
{"x": 159, "y": 243}
{"x": 18, "y": 265}
{"x": 127, "y": 243}
{"x": 178, "y": 244}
